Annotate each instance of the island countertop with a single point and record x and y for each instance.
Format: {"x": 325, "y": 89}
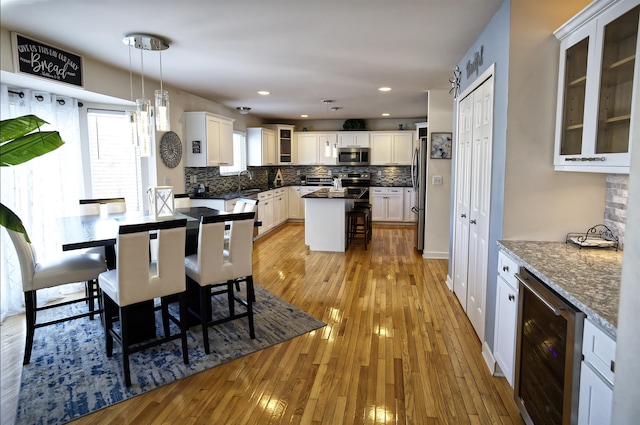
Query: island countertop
{"x": 589, "y": 278}
{"x": 326, "y": 193}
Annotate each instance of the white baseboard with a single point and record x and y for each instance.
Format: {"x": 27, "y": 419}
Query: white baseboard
{"x": 435, "y": 255}
{"x": 487, "y": 355}
{"x": 450, "y": 283}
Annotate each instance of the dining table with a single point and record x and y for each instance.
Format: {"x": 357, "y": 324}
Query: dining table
{"x": 89, "y": 231}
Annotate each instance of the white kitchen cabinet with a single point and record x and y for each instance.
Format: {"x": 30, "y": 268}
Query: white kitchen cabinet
{"x": 209, "y": 139}
{"x": 387, "y": 203}
{"x": 261, "y": 146}
{"x": 409, "y": 203}
{"x": 311, "y": 147}
{"x": 349, "y": 139}
{"x": 286, "y": 151}
{"x": 279, "y": 206}
{"x": 504, "y": 345}
{"x": 295, "y": 202}
{"x": 596, "y": 376}
{"x": 598, "y": 94}
{"x": 391, "y": 148}
{"x": 265, "y": 211}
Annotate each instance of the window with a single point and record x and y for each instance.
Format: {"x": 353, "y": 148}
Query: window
{"x": 114, "y": 158}
{"x": 239, "y": 156}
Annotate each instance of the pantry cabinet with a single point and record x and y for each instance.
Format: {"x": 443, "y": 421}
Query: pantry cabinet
{"x": 598, "y": 97}
{"x": 391, "y": 148}
{"x": 261, "y": 147}
{"x": 312, "y": 148}
{"x": 209, "y": 139}
{"x": 387, "y": 203}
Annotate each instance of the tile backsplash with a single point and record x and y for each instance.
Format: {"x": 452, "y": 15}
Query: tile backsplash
{"x": 615, "y": 208}
{"x": 211, "y": 178}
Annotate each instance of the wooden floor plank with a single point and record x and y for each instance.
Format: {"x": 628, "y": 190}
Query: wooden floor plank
{"x": 397, "y": 348}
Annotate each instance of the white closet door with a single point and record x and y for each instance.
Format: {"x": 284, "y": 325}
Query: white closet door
{"x": 472, "y": 202}
{"x": 480, "y": 203}
{"x": 462, "y": 191}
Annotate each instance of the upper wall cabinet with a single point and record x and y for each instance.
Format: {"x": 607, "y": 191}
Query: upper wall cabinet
{"x": 286, "y": 153}
{"x": 393, "y": 148}
{"x": 313, "y": 147}
{"x": 348, "y": 139}
{"x": 209, "y": 139}
{"x": 598, "y": 101}
{"x": 261, "y": 146}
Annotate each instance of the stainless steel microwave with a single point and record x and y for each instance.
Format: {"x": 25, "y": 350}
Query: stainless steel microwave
{"x": 353, "y": 156}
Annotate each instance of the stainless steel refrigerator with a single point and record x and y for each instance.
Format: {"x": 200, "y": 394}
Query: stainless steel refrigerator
{"x": 419, "y": 182}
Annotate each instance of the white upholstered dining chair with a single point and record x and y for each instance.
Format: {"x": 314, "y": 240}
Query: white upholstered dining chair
{"x": 136, "y": 280}
{"x": 36, "y": 275}
{"x": 214, "y": 267}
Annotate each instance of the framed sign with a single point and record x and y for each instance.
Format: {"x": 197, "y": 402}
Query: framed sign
{"x": 441, "y": 145}
{"x": 41, "y": 60}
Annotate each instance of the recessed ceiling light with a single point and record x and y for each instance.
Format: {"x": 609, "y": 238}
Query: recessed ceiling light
{"x": 264, "y": 93}
{"x": 386, "y": 114}
{"x": 385, "y": 89}
{"x": 304, "y": 116}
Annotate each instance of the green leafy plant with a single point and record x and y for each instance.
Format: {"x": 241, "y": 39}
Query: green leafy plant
{"x": 20, "y": 141}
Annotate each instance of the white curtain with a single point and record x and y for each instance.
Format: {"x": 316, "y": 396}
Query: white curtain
{"x": 41, "y": 190}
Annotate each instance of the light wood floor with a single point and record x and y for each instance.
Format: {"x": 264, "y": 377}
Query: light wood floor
{"x": 397, "y": 349}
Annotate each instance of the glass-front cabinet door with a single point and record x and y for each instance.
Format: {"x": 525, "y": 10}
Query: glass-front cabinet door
{"x": 598, "y": 88}
{"x": 616, "y": 83}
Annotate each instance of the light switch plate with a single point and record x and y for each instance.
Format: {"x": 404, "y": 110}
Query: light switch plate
{"x": 436, "y": 180}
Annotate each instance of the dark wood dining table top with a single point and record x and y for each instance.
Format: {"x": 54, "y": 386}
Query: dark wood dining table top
{"x": 78, "y": 232}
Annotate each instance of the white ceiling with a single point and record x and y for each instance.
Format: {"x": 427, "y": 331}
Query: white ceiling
{"x": 302, "y": 51}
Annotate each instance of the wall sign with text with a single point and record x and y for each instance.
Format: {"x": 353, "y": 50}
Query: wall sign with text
{"x": 36, "y": 58}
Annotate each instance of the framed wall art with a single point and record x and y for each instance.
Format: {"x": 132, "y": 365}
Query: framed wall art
{"x": 441, "y": 145}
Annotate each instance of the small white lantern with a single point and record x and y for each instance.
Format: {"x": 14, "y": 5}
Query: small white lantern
{"x": 160, "y": 201}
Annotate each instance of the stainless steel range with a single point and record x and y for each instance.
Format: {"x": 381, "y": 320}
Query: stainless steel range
{"x": 354, "y": 182}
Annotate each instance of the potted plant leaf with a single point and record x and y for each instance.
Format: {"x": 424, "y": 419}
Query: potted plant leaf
{"x": 20, "y": 141}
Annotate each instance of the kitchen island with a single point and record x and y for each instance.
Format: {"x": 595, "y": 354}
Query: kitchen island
{"x": 325, "y": 218}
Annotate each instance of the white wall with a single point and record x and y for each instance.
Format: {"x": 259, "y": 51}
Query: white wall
{"x": 540, "y": 203}
{"x": 437, "y": 209}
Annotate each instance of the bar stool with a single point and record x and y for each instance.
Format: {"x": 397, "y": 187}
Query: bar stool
{"x": 367, "y": 207}
{"x": 357, "y": 224}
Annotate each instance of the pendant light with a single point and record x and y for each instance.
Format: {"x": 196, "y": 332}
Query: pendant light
{"x": 143, "y": 114}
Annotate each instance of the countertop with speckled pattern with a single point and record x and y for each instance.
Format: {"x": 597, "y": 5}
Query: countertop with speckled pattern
{"x": 589, "y": 278}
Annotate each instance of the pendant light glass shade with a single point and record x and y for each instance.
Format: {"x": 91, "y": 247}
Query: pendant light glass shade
{"x": 327, "y": 149}
{"x": 143, "y": 126}
{"x": 162, "y": 110}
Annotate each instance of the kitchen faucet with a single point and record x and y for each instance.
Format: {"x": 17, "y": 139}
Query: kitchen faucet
{"x": 240, "y": 173}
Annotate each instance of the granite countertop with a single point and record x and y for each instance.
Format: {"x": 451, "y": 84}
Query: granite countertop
{"x": 326, "y": 194}
{"x": 589, "y": 278}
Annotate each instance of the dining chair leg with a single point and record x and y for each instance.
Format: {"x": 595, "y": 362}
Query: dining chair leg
{"x": 164, "y": 307}
{"x": 124, "y": 334}
{"x": 182, "y": 300}
{"x": 231, "y": 299}
{"x": 30, "y": 302}
{"x": 205, "y": 297}
{"x": 107, "y": 315}
{"x": 250, "y": 290}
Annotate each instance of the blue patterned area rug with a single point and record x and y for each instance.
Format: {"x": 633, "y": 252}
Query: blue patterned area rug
{"x": 70, "y": 375}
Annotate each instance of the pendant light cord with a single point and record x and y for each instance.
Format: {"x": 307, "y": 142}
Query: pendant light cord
{"x": 142, "y": 71}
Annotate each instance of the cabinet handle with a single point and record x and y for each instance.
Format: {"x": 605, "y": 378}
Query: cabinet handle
{"x": 463, "y": 215}
{"x": 590, "y": 159}
{"x": 613, "y": 366}
{"x": 512, "y": 297}
{"x": 505, "y": 268}
{"x": 472, "y": 221}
